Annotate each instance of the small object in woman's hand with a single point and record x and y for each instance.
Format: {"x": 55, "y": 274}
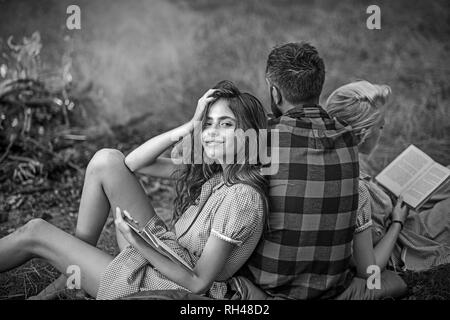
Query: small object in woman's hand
{"x": 129, "y": 217}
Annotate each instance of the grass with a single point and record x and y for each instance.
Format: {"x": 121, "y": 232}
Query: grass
{"x": 156, "y": 58}
{"x": 433, "y": 284}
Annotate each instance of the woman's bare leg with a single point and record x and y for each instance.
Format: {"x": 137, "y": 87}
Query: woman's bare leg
{"x": 39, "y": 238}
{"x": 108, "y": 183}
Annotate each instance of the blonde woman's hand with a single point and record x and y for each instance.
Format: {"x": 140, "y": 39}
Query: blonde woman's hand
{"x": 202, "y": 104}
{"x": 401, "y": 210}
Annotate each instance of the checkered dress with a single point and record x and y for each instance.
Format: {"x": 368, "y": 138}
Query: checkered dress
{"x": 305, "y": 254}
{"x": 232, "y": 213}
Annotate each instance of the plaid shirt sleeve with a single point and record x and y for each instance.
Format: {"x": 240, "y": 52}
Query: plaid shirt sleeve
{"x": 305, "y": 252}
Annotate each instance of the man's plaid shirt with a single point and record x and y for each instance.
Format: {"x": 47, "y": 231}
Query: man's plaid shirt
{"x": 305, "y": 252}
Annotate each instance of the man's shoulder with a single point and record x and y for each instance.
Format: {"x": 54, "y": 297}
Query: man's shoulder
{"x": 304, "y": 122}
{"x": 272, "y": 122}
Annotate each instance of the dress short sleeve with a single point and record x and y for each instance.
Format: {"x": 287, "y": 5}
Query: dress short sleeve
{"x": 363, "y": 217}
{"x": 240, "y": 215}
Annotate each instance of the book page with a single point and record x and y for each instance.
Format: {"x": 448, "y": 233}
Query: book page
{"x": 149, "y": 240}
{"x": 168, "y": 250}
{"x": 160, "y": 246}
{"x": 401, "y": 172}
{"x": 426, "y": 184}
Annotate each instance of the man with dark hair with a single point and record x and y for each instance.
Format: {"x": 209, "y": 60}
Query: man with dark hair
{"x": 305, "y": 252}
{"x": 298, "y": 72}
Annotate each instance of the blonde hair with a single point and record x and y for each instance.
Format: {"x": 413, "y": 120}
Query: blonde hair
{"x": 359, "y": 105}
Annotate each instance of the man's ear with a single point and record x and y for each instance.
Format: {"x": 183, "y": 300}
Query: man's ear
{"x": 276, "y": 95}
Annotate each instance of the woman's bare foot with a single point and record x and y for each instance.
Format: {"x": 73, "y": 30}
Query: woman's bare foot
{"x": 52, "y": 290}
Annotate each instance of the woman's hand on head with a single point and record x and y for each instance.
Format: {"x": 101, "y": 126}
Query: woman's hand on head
{"x": 203, "y": 102}
{"x": 401, "y": 210}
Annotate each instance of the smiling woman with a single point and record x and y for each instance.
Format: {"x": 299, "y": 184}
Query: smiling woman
{"x": 220, "y": 212}
{"x": 228, "y": 111}
{"x": 219, "y": 208}
{"x": 218, "y": 131}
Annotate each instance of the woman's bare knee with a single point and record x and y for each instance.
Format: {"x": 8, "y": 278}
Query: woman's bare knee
{"x": 106, "y": 160}
{"x": 32, "y": 227}
{"x": 31, "y": 233}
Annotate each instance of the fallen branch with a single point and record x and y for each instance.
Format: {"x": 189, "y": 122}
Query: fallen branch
{"x": 20, "y": 158}
{"x": 33, "y": 190}
{"x": 75, "y": 137}
{"x": 8, "y": 148}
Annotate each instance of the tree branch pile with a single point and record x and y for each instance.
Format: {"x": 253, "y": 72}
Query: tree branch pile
{"x": 41, "y": 115}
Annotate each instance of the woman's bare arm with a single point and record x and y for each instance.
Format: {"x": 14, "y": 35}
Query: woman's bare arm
{"x": 365, "y": 254}
{"x": 209, "y": 265}
{"x": 148, "y": 154}
{"x": 146, "y": 158}
{"x": 162, "y": 167}
{"x": 211, "y": 262}
{"x": 385, "y": 246}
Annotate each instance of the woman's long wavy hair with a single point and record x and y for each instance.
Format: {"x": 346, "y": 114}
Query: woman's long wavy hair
{"x": 249, "y": 114}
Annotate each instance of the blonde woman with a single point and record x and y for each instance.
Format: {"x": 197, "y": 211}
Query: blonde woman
{"x": 386, "y": 232}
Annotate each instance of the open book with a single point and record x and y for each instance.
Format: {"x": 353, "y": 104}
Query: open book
{"x": 159, "y": 245}
{"x": 414, "y": 175}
